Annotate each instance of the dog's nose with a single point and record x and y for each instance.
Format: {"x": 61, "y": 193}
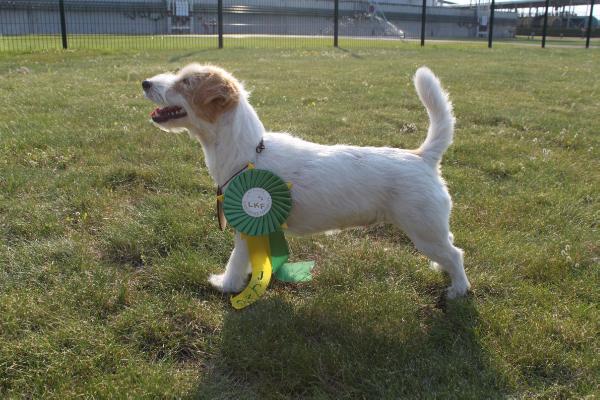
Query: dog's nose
{"x": 146, "y": 85}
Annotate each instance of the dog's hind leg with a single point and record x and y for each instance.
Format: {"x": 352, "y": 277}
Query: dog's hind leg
{"x": 448, "y": 258}
{"x": 433, "y": 238}
{"x": 236, "y": 272}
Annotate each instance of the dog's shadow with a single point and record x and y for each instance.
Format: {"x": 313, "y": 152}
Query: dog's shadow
{"x": 319, "y": 350}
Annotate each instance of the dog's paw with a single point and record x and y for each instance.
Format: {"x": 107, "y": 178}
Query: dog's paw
{"x": 457, "y": 290}
{"x": 225, "y": 284}
{"x": 435, "y": 266}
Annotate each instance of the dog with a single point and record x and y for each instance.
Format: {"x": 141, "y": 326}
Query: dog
{"x": 334, "y": 187}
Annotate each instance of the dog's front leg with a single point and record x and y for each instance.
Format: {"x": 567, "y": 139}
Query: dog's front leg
{"x": 236, "y": 272}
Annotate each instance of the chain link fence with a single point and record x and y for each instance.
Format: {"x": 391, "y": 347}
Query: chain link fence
{"x": 27, "y": 25}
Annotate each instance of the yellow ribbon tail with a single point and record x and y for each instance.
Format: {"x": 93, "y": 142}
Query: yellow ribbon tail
{"x": 260, "y": 258}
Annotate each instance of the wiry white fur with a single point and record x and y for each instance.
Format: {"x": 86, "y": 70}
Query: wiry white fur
{"x": 441, "y": 121}
{"x": 339, "y": 186}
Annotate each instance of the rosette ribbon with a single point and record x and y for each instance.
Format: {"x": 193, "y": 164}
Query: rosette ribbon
{"x": 257, "y": 203}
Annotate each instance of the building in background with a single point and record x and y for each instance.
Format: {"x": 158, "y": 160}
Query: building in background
{"x": 386, "y": 18}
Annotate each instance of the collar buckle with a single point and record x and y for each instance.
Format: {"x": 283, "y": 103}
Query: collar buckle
{"x": 260, "y": 147}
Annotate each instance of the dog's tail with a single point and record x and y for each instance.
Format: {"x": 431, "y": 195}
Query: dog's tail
{"x": 441, "y": 120}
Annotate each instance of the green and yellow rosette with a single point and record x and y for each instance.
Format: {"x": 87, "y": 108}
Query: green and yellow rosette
{"x": 257, "y": 203}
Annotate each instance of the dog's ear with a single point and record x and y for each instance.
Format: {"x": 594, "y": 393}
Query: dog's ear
{"x": 212, "y": 94}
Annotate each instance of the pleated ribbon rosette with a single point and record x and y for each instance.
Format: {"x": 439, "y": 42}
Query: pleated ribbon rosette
{"x": 257, "y": 203}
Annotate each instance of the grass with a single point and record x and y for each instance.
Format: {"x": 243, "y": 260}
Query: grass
{"x": 25, "y": 43}
{"x": 108, "y": 233}
{"x": 557, "y": 40}
{"x": 174, "y": 42}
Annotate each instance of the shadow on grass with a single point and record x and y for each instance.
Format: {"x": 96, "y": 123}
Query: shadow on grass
{"x": 273, "y": 350}
{"x": 179, "y": 57}
{"x": 352, "y": 54}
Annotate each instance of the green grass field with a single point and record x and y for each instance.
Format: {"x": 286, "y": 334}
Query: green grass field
{"x": 27, "y": 43}
{"x": 108, "y": 234}
{"x": 558, "y": 41}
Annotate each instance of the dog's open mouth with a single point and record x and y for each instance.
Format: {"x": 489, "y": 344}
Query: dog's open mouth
{"x": 167, "y": 113}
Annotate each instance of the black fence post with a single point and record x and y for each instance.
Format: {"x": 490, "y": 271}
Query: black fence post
{"x": 589, "y": 29}
{"x": 423, "y": 12}
{"x": 491, "y": 24}
{"x": 336, "y": 18}
{"x": 63, "y": 23}
{"x": 545, "y": 25}
{"x": 220, "y": 23}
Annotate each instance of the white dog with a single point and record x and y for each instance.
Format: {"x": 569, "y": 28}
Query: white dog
{"x": 334, "y": 187}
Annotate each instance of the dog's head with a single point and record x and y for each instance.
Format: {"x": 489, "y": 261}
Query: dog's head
{"x": 196, "y": 95}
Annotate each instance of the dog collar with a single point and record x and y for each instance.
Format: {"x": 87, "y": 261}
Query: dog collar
{"x": 220, "y": 214}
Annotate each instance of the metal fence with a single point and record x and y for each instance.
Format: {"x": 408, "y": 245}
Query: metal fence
{"x": 146, "y": 24}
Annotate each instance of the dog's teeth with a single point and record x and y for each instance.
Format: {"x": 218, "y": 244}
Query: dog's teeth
{"x": 167, "y": 113}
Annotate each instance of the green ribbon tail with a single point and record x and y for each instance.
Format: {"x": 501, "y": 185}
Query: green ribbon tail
{"x": 295, "y": 272}
{"x": 284, "y": 271}
{"x": 279, "y": 250}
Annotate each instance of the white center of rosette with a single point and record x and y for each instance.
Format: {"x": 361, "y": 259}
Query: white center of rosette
{"x": 256, "y": 202}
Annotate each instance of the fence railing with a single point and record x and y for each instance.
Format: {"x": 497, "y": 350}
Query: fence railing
{"x": 44, "y": 24}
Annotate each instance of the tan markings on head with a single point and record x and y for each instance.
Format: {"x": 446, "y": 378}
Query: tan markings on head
{"x": 210, "y": 91}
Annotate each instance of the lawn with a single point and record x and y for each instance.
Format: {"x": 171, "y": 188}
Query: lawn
{"x": 108, "y": 234}
{"x": 26, "y": 43}
{"x": 558, "y": 41}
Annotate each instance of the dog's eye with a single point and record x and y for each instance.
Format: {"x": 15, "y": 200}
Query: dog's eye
{"x": 186, "y": 81}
